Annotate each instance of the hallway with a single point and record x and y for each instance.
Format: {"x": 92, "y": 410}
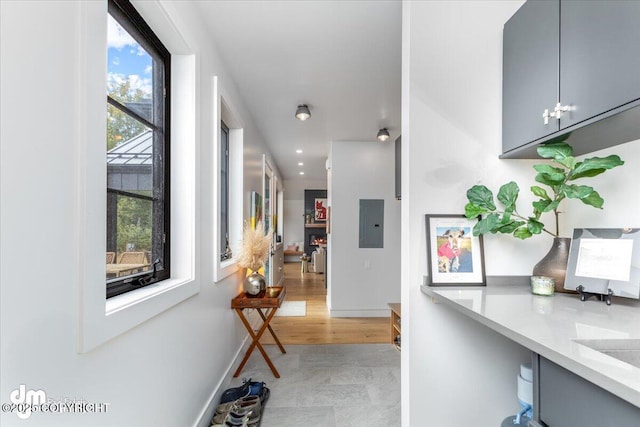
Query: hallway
{"x": 317, "y": 327}
{"x": 349, "y": 377}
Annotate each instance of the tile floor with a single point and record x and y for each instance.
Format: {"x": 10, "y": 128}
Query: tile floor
{"x": 341, "y": 385}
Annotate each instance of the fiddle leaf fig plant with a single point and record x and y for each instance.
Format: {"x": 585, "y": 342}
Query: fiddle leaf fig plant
{"x": 559, "y": 177}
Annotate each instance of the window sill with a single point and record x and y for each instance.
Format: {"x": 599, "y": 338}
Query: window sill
{"x": 133, "y": 298}
{"x": 225, "y": 269}
{"x": 124, "y": 312}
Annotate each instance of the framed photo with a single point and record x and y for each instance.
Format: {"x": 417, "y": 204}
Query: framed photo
{"x": 321, "y": 210}
{"x": 455, "y": 257}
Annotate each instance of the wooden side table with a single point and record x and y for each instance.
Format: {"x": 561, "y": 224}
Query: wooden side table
{"x": 270, "y": 303}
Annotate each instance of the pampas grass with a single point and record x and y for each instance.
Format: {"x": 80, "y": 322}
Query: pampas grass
{"x": 255, "y": 246}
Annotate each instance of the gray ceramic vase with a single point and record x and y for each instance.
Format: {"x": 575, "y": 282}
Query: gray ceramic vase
{"x": 554, "y": 263}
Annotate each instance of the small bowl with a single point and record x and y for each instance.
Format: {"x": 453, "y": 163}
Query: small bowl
{"x": 273, "y": 292}
{"x": 542, "y": 285}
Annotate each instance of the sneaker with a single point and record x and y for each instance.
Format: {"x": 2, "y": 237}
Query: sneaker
{"x": 235, "y": 393}
{"x": 237, "y": 410}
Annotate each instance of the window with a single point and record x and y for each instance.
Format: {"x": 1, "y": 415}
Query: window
{"x": 228, "y": 143}
{"x": 225, "y": 248}
{"x": 138, "y": 75}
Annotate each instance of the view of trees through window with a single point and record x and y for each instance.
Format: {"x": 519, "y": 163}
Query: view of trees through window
{"x": 135, "y": 142}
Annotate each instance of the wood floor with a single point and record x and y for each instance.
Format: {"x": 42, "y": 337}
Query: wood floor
{"x": 317, "y": 327}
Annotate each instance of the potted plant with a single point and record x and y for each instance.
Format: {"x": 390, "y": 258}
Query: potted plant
{"x": 560, "y": 180}
{"x": 254, "y": 251}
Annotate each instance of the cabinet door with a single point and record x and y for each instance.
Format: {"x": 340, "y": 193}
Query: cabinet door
{"x": 600, "y": 57}
{"x": 530, "y": 73}
{"x": 567, "y": 400}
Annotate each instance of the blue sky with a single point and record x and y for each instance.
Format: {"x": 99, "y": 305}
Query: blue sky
{"x": 126, "y": 60}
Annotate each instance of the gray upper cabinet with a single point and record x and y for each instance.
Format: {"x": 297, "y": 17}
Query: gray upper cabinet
{"x": 600, "y": 62}
{"x": 568, "y": 66}
{"x": 530, "y": 72}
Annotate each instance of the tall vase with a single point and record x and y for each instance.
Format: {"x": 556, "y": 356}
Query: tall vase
{"x": 254, "y": 285}
{"x": 554, "y": 263}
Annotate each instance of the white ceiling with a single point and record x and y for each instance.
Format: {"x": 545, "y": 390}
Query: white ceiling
{"x": 342, "y": 58}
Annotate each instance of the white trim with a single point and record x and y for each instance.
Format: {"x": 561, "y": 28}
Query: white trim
{"x": 222, "y": 111}
{"x": 100, "y": 320}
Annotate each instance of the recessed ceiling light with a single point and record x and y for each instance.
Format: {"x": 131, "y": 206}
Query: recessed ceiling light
{"x": 299, "y": 151}
{"x": 301, "y": 173}
{"x": 300, "y": 164}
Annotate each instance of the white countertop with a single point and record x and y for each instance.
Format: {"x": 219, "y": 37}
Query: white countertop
{"x": 548, "y": 326}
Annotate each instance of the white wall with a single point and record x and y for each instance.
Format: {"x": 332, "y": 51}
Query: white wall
{"x": 362, "y": 280}
{"x": 165, "y": 371}
{"x": 451, "y": 140}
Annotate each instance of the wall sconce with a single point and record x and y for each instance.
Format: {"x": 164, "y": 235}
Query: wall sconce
{"x": 303, "y": 113}
{"x": 383, "y": 135}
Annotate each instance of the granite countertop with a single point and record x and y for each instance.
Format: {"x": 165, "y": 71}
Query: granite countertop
{"x": 549, "y": 326}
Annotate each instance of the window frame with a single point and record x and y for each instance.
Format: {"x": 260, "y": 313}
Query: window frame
{"x": 225, "y": 187}
{"x": 224, "y": 111}
{"x": 128, "y": 17}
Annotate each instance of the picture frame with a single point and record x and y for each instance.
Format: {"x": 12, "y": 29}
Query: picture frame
{"x": 455, "y": 257}
{"x": 603, "y": 260}
{"x": 320, "y": 210}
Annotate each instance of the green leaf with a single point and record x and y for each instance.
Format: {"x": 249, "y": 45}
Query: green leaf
{"x": 555, "y": 150}
{"x": 552, "y": 206}
{"x": 577, "y": 191}
{"x": 594, "y": 200}
{"x": 522, "y": 233}
{"x": 472, "y": 211}
{"x": 540, "y": 192}
{"x": 568, "y": 162}
{"x": 481, "y": 196}
{"x": 506, "y": 215}
{"x": 550, "y": 173}
{"x": 486, "y": 225}
{"x": 510, "y": 227}
{"x": 508, "y": 194}
{"x": 543, "y": 178}
{"x": 541, "y": 205}
{"x": 534, "y": 226}
{"x": 595, "y": 166}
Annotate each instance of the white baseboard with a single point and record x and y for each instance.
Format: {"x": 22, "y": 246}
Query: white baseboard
{"x": 359, "y": 313}
{"x": 204, "y": 418}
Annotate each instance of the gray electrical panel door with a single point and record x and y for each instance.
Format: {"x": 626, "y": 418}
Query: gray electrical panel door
{"x": 371, "y": 223}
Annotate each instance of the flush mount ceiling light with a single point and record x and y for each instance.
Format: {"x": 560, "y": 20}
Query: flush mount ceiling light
{"x": 303, "y": 113}
{"x": 383, "y": 135}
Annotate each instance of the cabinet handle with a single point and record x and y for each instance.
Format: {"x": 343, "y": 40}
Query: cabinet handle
{"x": 556, "y": 113}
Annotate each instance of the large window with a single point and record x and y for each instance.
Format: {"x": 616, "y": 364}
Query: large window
{"x": 138, "y": 72}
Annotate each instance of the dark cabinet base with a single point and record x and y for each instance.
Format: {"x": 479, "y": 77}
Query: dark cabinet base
{"x": 566, "y": 400}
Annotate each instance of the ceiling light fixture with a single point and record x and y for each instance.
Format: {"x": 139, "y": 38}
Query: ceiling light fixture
{"x": 299, "y": 151}
{"x": 301, "y": 173}
{"x": 300, "y": 164}
{"x": 303, "y": 113}
{"x": 383, "y": 135}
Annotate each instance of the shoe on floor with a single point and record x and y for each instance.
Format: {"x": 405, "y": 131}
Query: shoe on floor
{"x": 235, "y": 413}
{"x": 235, "y": 393}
